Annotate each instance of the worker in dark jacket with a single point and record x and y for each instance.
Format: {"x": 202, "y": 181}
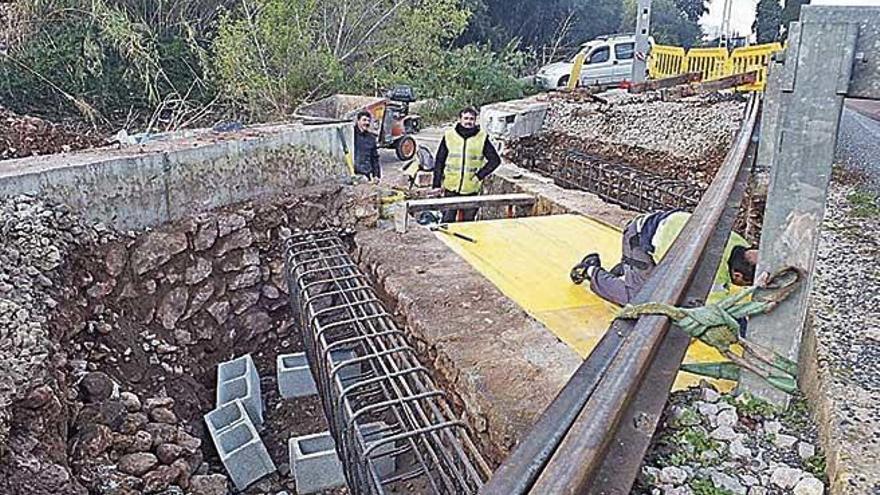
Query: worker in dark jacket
{"x": 464, "y": 159}
{"x": 366, "y": 154}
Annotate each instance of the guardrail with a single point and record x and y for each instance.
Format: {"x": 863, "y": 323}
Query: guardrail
{"x": 593, "y": 436}
{"x": 713, "y": 63}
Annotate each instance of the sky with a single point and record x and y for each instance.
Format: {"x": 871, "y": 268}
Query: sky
{"x": 743, "y": 13}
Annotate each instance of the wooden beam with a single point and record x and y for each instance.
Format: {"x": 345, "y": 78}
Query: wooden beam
{"x": 726, "y": 82}
{"x": 458, "y": 203}
{"x": 666, "y": 82}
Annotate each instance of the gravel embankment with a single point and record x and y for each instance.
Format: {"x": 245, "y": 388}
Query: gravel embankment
{"x": 845, "y": 307}
{"x": 714, "y": 444}
{"x": 36, "y": 239}
{"x": 688, "y": 129}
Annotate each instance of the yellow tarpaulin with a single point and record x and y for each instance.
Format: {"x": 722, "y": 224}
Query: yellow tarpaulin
{"x": 529, "y": 259}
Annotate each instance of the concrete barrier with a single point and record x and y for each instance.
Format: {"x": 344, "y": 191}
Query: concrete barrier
{"x": 238, "y": 380}
{"x": 294, "y": 376}
{"x": 181, "y": 174}
{"x": 239, "y": 446}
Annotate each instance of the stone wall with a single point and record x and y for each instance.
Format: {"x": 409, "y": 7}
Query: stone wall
{"x": 130, "y": 335}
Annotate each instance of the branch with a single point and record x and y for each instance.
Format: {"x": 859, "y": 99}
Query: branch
{"x": 372, "y": 30}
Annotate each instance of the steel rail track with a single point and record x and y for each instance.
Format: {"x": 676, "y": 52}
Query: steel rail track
{"x": 593, "y": 436}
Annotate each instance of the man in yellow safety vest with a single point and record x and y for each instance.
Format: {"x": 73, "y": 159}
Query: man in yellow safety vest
{"x": 464, "y": 159}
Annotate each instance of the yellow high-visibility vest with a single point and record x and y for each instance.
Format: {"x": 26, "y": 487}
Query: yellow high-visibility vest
{"x": 464, "y": 160}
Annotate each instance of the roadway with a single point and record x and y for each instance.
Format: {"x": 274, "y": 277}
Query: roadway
{"x": 858, "y": 140}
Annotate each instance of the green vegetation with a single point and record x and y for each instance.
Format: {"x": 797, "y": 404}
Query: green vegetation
{"x": 864, "y": 204}
{"x": 705, "y": 486}
{"x": 749, "y": 405}
{"x": 177, "y": 63}
{"x": 815, "y": 465}
{"x": 768, "y": 20}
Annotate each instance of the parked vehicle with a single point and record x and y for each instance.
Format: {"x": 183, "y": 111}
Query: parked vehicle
{"x": 608, "y": 62}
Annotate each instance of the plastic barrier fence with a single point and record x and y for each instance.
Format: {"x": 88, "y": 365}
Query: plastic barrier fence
{"x": 713, "y": 63}
{"x": 666, "y": 61}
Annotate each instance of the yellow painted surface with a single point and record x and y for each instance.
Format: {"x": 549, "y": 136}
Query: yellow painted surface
{"x": 529, "y": 260}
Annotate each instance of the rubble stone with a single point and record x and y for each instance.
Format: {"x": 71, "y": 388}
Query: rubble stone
{"x": 137, "y": 464}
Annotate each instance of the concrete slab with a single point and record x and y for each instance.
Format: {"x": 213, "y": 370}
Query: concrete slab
{"x": 180, "y": 174}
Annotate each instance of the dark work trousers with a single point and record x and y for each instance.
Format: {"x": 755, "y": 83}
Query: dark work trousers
{"x": 637, "y": 267}
{"x": 450, "y": 216}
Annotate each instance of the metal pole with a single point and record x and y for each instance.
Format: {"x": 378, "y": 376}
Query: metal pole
{"x": 825, "y": 61}
{"x": 643, "y": 30}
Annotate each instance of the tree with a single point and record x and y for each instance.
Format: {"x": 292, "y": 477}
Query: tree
{"x": 538, "y": 23}
{"x": 692, "y": 9}
{"x": 768, "y": 19}
{"x": 792, "y": 12}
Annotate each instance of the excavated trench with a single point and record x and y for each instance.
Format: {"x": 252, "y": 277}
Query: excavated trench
{"x": 137, "y": 325}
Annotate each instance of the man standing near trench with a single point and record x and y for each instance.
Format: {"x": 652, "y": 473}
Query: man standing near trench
{"x": 646, "y": 239}
{"x": 464, "y": 159}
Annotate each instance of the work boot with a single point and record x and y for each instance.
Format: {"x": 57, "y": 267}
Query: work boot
{"x": 580, "y": 272}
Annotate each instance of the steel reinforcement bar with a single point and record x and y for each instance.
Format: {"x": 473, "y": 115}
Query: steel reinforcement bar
{"x": 592, "y": 438}
{"x": 393, "y": 426}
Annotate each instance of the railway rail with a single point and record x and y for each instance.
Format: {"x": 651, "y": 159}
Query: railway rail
{"x": 593, "y": 436}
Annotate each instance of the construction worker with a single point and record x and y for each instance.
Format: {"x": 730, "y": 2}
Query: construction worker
{"x": 464, "y": 159}
{"x": 646, "y": 239}
{"x": 366, "y": 153}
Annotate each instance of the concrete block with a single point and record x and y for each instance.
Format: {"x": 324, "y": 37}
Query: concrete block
{"x": 294, "y": 376}
{"x": 238, "y": 444}
{"x": 385, "y": 465}
{"x": 345, "y": 373}
{"x": 238, "y": 379}
{"x": 314, "y": 463}
{"x": 513, "y": 119}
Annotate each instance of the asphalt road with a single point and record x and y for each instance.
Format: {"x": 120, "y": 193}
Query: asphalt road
{"x": 858, "y": 145}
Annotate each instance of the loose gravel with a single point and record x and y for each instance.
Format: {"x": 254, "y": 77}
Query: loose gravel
{"x": 845, "y": 307}
{"x": 715, "y": 444}
{"x": 36, "y": 239}
{"x": 689, "y": 129}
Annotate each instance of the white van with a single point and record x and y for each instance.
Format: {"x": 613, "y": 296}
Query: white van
{"x": 608, "y": 62}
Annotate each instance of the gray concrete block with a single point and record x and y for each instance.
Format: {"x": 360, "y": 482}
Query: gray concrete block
{"x": 239, "y": 446}
{"x": 238, "y": 379}
{"x": 294, "y": 376}
{"x": 349, "y": 372}
{"x": 314, "y": 463}
{"x": 385, "y": 463}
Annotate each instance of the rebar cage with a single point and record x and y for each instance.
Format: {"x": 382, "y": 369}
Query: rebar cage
{"x": 393, "y": 426}
{"x": 617, "y": 183}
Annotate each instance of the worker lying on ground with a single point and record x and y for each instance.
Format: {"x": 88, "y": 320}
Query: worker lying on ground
{"x": 464, "y": 159}
{"x": 646, "y": 239}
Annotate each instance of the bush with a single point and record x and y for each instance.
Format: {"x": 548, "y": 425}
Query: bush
{"x": 471, "y": 75}
{"x": 79, "y": 55}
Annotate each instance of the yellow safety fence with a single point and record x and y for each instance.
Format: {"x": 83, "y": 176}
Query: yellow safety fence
{"x": 713, "y": 63}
